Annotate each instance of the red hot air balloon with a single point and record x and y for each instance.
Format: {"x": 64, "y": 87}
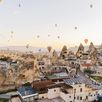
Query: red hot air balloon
{"x": 86, "y": 41}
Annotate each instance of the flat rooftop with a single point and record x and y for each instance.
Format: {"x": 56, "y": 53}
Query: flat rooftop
{"x": 26, "y": 90}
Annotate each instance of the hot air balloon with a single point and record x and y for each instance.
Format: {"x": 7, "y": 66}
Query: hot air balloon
{"x": 39, "y": 50}
{"x": 38, "y": 36}
{"x": 49, "y": 48}
{"x": 75, "y": 28}
{"x": 48, "y": 35}
{"x": 58, "y": 37}
{"x": 91, "y": 5}
{"x": 12, "y": 32}
{"x": 86, "y": 41}
{"x": 55, "y": 25}
{"x": 27, "y": 46}
{"x": 19, "y": 5}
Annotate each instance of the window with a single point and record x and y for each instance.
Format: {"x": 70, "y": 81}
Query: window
{"x": 42, "y": 67}
{"x": 80, "y": 98}
{"x": 31, "y": 98}
{"x": 28, "y": 99}
{"x": 74, "y": 90}
{"x": 74, "y": 97}
{"x": 54, "y": 90}
{"x": 86, "y": 97}
{"x": 81, "y": 90}
{"x": 25, "y": 100}
{"x": 69, "y": 96}
{"x": 42, "y": 96}
{"x": 36, "y": 97}
{"x": 79, "y": 85}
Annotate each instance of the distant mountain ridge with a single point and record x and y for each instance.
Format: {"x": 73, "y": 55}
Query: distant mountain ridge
{"x": 36, "y": 49}
{"x": 23, "y": 48}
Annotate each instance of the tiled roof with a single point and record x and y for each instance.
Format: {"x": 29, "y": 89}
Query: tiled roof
{"x": 83, "y": 79}
{"x": 86, "y": 65}
{"x": 75, "y": 80}
{"x": 41, "y": 84}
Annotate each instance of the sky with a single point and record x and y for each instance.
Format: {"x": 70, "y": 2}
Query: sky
{"x": 54, "y": 21}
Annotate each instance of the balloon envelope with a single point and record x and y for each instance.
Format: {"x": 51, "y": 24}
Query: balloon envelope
{"x": 86, "y": 41}
{"x": 27, "y": 46}
{"x": 75, "y": 28}
{"x": 91, "y": 6}
{"x": 55, "y": 25}
{"x": 58, "y": 37}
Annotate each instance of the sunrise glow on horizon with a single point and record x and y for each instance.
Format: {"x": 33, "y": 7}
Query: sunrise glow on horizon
{"x": 55, "y": 23}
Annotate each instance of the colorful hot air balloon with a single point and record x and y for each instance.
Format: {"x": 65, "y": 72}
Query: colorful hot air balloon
{"x": 86, "y": 41}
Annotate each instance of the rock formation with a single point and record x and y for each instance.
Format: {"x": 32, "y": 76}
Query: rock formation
{"x": 80, "y": 51}
{"x": 54, "y": 56}
{"x": 64, "y": 52}
{"x": 92, "y": 53}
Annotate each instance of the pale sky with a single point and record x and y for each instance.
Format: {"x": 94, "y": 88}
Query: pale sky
{"x": 38, "y": 17}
